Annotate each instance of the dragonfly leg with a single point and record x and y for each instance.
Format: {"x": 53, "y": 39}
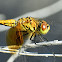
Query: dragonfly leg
{"x": 42, "y": 38}
{"x": 32, "y": 35}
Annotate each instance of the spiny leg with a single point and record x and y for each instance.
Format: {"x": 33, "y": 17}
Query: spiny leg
{"x": 32, "y": 35}
{"x": 42, "y": 38}
{"x": 34, "y": 40}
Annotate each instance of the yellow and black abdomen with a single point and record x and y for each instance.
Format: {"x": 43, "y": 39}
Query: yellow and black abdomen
{"x": 10, "y": 22}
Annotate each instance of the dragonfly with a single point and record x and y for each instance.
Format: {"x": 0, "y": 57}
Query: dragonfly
{"x": 24, "y": 28}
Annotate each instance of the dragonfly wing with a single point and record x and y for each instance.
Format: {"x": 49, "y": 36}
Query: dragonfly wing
{"x": 14, "y": 38}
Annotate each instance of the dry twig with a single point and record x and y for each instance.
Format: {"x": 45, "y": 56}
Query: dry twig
{"x": 5, "y": 49}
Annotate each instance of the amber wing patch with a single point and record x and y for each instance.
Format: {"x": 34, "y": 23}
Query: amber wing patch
{"x": 14, "y": 38}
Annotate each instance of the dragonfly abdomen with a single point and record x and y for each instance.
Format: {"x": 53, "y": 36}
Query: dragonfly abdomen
{"x": 10, "y": 22}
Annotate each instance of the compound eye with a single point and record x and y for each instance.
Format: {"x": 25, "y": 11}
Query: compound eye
{"x": 43, "y": 26}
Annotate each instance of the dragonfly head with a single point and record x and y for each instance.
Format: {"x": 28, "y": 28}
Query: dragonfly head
{"x": 44, "y": 27}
